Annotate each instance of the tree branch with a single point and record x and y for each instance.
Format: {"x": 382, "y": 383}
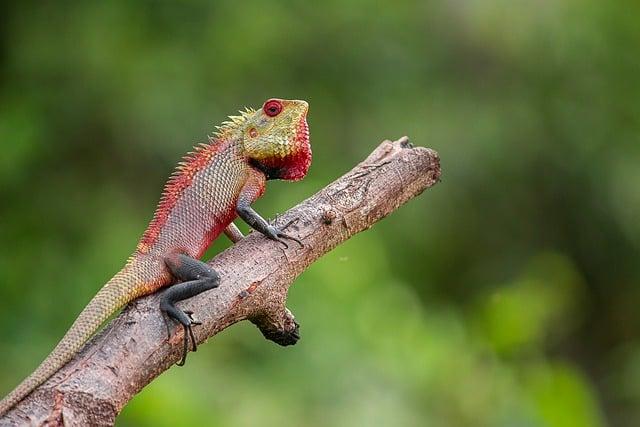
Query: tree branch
{"x": 255, "y": 276}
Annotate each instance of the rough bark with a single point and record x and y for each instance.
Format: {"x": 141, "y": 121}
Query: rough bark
{"x": 255, "y": 277}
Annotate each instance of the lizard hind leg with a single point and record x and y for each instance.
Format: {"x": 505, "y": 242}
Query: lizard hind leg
{"x": 196, "y": 277}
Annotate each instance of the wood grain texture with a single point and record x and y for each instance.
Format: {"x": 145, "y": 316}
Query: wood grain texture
{"x": 255, "y": 277}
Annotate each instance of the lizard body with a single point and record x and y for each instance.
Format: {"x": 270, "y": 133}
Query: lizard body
{"x": 213, "y": 185}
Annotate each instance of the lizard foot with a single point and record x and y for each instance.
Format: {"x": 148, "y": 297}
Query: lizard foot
{"x": 185, "y": 318}
{"x": 278, "y": 235}
{"x": 188, "y": 334}
{"x": 196, "y": 277}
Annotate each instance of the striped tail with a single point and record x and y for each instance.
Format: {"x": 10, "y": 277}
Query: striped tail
{"x": 113, "y": 296}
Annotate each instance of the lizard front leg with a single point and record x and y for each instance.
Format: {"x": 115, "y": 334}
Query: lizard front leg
{"x": 253, "y": 187}
{"x": 196, "y": 277}
{"x": 233, "y": 233}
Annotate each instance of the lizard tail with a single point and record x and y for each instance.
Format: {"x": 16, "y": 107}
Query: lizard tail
{"x": 114, "y": 295}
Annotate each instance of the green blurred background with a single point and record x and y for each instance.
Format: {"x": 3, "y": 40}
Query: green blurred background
{"x": 507, "y": 295}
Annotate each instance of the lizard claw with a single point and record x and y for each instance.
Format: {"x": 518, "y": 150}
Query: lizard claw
{"x": 189, "y": 314}
{"x": 286, "y": 236}
{"x": 188, "y": 334}
{"x": 278, "y": 235}
{"x": 275, "y": 234}
{"x": 287, "y": 225}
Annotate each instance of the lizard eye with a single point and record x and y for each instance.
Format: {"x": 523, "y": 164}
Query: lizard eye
{"x": 272, "y": 107}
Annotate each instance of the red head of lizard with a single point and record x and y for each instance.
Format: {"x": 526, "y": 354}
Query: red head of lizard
{"x": 275, "y": 137}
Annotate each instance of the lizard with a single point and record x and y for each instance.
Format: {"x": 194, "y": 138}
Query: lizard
{"x": 213, "y": 185}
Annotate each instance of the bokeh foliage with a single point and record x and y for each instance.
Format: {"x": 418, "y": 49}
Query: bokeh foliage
{"x": 507, "y": 295}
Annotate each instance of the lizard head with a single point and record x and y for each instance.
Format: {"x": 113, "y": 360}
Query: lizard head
{"x": 276, "y": 139}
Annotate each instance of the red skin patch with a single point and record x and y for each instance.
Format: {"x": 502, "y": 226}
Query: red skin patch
{"x": 295, "y": 166}
{"x": 298, "y": 164}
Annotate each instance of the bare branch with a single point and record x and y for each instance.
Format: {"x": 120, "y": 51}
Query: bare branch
{"x": 255, "y": 276}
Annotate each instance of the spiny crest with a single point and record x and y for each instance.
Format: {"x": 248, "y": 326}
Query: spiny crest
{"x": 183, "y": 174}
{"x": 229, "y": 126}
{"x": 201, "y": 151}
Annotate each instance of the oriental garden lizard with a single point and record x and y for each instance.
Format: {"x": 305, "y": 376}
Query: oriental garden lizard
{"x": 213, "y": 185}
